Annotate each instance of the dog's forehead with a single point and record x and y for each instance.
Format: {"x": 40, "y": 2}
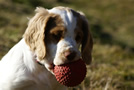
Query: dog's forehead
{"x": 67, "y": 16}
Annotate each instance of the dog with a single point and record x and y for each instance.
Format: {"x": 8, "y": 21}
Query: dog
{"x": 53, "y": 37}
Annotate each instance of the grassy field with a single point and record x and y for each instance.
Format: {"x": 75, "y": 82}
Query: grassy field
{"x": 112, "y": 27}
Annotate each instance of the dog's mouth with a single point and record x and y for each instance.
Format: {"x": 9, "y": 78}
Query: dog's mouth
{"x": 51, "y": 67}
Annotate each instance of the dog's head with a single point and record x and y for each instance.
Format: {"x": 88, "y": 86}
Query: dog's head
{"x": 56, "y": 35}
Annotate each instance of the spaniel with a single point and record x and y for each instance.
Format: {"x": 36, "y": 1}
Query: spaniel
{"x": 53, "y": 37}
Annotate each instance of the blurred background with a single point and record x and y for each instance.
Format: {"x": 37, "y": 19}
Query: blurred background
{"x": 112, "y": 27}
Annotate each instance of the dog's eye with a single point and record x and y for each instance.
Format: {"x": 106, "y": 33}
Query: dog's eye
{"x": 78, "y": 38}
{"x": 57, "y": 35}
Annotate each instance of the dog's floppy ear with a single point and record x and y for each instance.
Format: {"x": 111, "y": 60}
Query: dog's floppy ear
{"x": 87, "y": 42}
{"x": 35, "y": 32}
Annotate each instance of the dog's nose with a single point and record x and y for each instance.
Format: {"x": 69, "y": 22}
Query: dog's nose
{"x": 70, "y": 55}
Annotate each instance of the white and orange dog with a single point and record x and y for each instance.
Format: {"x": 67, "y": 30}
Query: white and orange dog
{"x": 53, "y": 37}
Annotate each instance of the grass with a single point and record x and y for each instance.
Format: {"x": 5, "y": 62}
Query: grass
{"x": 111, "y": 23}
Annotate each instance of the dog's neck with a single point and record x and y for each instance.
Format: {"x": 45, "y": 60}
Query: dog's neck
{"x": 29, "y": 57}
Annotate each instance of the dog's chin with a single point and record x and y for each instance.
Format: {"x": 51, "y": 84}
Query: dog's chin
{"x": 50, "y": 67}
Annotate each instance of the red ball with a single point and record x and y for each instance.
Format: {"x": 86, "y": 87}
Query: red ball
{"x": 71, "y": 74}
